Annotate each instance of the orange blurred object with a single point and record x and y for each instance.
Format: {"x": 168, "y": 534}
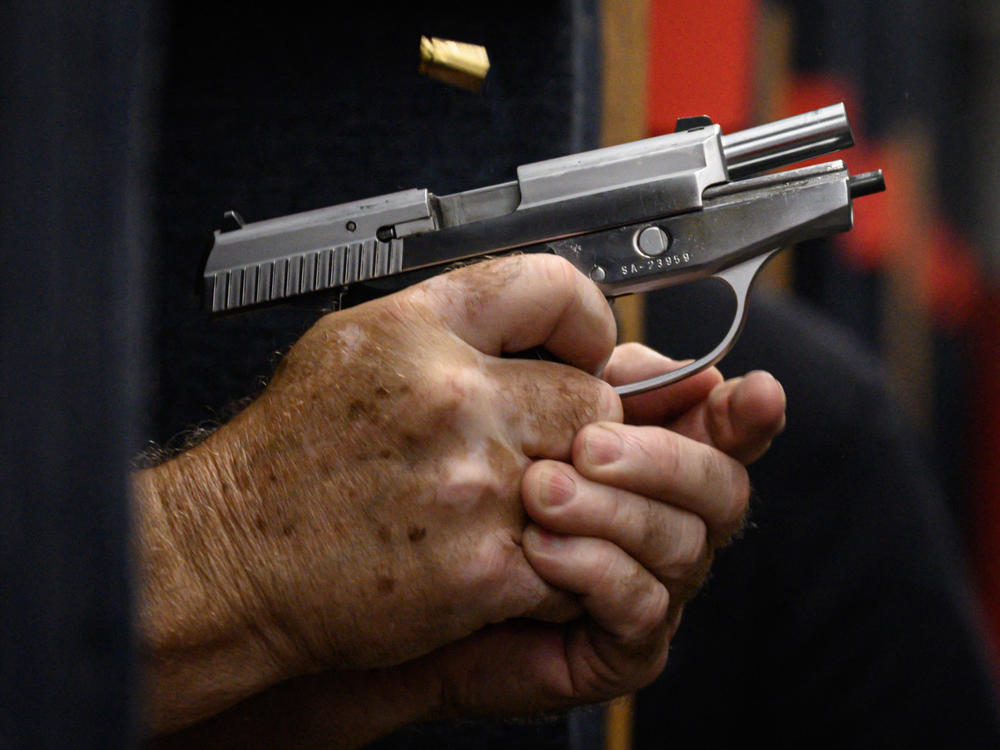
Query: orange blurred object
{"x": 701, "y": 62}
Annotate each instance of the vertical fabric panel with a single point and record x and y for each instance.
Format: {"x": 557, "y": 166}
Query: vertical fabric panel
{"x": 72, "y": 234}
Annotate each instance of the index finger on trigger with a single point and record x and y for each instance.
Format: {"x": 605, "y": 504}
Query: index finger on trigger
{"x": 633, "y": 362}
{"x": 518, "y": 302}
{"x": 665, "y": 466}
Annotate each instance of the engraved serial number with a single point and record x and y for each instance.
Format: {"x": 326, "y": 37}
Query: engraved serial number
{"x": 660, "y": 263}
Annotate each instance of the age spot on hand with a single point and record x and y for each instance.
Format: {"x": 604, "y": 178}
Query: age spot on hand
{"x": 357, "y": 409}
{"x": 416, "y": 533}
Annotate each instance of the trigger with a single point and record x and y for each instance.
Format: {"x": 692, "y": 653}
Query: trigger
{"x": 740, "y": 279}
{"x": 741, "y": 276}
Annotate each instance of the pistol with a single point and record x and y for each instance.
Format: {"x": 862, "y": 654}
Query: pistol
{"x": 654, "y": 213}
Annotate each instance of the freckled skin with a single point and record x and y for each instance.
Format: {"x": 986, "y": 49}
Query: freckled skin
{"x": 374, "y": 511}
{"x": 411, "y": 457}
{"x": 416, "y": 534}
{"x": 340, "y": 469}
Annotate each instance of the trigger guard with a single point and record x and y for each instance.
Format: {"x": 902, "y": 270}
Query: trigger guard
{"x": 740, "y": 279}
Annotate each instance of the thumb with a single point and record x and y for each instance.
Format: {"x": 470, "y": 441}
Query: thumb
{"x": 518, "y": 302}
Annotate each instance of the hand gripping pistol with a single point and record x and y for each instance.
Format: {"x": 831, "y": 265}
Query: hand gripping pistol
{"x": 662, "y": 211}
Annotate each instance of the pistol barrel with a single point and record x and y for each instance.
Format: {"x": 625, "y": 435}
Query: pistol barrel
{"x": 776, "y": 144}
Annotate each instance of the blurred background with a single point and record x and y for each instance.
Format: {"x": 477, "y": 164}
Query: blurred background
{"x": 275, "y": 129}
{"x": 918, "y": 278}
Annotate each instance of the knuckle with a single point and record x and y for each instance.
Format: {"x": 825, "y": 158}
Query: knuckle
{"x": 653, "y": 535}
{"x": 558, "y": 271}
{"x": 621, "y": 514}
{"x": 669, "y": 454}
{"x": 607, "y": 402}
{"x": 649, "y": 610}
{"x": 481, "y": 484}
{"x": 734, "y": 507}
{"x": 491, "y": 567}
{"x": 604, "y": 569}
{"x": 575, "y": 400}
{"x": 588, "y": 396}
{"x": 687, "y": 550}
{"x": 450, "y": 389}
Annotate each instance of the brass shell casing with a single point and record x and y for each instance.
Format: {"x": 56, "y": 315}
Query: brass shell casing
{"x": 455, "y": 63}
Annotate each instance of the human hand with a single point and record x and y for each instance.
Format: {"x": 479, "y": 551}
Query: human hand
{"x": 633, "y": 563}
{"x": 365, "y": 509}
{"x": 630, "y": 525}
{"x": 739, "y": 416}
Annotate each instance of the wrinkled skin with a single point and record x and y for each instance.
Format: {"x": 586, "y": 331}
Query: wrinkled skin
{"x": 406, "y": 518}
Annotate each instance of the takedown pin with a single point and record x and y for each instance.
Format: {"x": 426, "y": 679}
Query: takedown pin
{"x": 456, "y": 63}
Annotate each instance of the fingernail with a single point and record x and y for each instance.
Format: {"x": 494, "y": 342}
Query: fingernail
{"x": 557, "y": 487}
{"x": 603, "y": 446}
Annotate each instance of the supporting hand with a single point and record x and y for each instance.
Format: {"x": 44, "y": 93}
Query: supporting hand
{"x": 631, "y": 538}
